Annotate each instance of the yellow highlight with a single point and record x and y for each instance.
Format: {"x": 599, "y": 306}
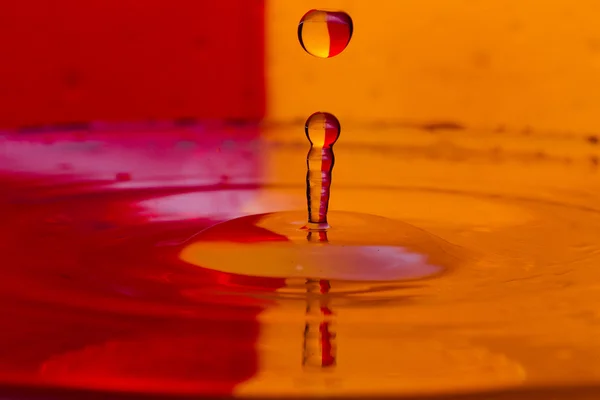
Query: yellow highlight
{"x": 315, "y": 34}
{"x": 317, "y": 129}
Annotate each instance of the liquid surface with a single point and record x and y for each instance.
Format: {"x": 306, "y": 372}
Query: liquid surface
{"x": 358, "y": 247}
{"x": 325, "y": 34}
{"x": 95, "y": 294}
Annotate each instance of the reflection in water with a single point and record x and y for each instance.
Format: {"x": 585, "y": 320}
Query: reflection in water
{"x": 110, "y": 305}
{"x": 319, "y": 339}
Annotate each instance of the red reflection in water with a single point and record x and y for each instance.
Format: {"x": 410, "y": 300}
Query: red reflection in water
{"x": 93, "y": 294}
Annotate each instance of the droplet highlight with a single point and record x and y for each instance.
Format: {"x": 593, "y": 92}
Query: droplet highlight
{"x": 325, "y": 34}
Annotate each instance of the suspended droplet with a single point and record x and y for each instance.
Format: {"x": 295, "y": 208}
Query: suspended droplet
{"x": 322, "y": 129}
{"x": 325, "y": 34}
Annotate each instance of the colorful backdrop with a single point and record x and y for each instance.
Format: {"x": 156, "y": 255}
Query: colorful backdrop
{"x": 488, "y": 64}
{"x": 481, "y": 64}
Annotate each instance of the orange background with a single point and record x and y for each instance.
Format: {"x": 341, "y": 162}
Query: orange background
{"x": 483, "y": 64}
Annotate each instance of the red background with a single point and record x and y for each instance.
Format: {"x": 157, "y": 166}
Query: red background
{"x": 65, "y": 61}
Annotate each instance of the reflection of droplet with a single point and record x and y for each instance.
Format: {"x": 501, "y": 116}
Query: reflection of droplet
{"x": 319, "y": 349}
{"x": 325, "y": 34}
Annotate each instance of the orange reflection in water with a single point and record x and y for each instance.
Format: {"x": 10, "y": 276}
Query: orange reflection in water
{"x": 520, "y": 314}
{"x": 506, "y": 166}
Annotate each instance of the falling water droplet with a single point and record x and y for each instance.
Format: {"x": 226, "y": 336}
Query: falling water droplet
{"x": 325, "y": 34}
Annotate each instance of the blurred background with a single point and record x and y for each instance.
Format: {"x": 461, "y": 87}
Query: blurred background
{"x": 481, "y": 64}
{"x": 481, "y": 122}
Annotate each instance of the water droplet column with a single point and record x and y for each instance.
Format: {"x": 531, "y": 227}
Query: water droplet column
{"x": 322, "y": 131}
